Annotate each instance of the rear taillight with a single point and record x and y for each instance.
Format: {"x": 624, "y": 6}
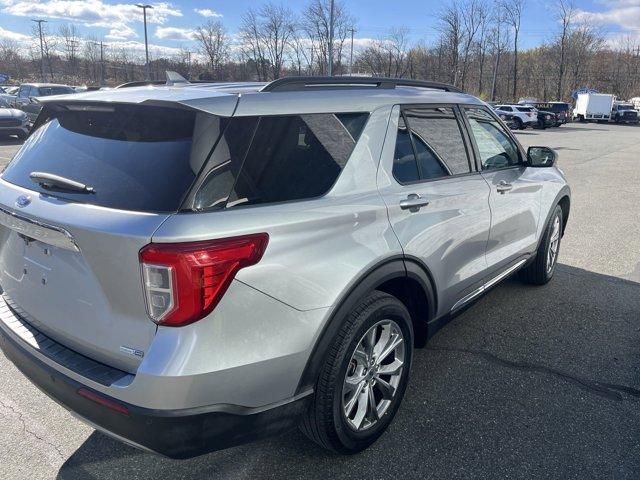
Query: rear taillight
{"x": 183, "y": 282}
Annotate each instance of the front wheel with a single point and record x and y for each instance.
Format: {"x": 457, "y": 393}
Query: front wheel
{"x": 541, "y": 269}
{"x": 364, "y": 377}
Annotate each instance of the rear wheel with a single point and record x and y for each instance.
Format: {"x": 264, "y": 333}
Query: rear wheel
{"x": 363, "y": 380}
{"x": 541, "y": 270}
{"x": 519, "y": 124}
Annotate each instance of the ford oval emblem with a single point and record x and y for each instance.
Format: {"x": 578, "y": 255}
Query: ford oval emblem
{"x": 23, "y": 201}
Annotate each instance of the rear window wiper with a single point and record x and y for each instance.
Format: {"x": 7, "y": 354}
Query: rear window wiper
{"x": 51, "y": 181}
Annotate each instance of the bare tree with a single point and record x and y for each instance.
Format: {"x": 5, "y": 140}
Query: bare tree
{"x": 473, "y": 16}
{"x": 214, "y": 44}
{"x": 71, "y": 39}
{"x": 565, "y": 11}
{"x": 513, "y": 15}
{"x": 46, "y": 48}
{"x": 266, "y": 34}
{"x": 499, "y": 39}
{"x": 315, "y": 23}
{"x": 450, "y": 26}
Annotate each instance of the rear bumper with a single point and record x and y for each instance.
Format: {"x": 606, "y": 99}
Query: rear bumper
{"x": 174, "y": 433}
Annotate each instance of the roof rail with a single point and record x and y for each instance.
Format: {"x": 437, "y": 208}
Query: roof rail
{"x": 292, "y": 84}
{"x": 142, "y": 83}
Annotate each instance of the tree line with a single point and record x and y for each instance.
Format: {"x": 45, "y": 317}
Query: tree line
{"x": 477, "y": 47}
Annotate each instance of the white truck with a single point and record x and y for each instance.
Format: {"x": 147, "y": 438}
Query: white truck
{"x": 593, "y": 106}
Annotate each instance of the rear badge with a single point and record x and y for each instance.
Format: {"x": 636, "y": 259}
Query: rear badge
{"x": 23, "y": 201}
{"x": 132, "y": 351}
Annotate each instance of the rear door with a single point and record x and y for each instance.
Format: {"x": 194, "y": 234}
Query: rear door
{"x": 437, "y": 201}
{"x": 515, "y": 189}
{"x": 69, "y": 259}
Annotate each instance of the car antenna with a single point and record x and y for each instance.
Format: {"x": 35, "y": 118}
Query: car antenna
{"x": 174, "y": 78}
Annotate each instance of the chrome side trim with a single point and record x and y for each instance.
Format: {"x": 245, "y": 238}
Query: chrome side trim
{"x": 488, "y": 284}
{"x": 50, "y": 234}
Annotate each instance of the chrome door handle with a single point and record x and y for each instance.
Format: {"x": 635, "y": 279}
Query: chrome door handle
{"x": 503, "y": 187}
{"x": 413, "y": 203}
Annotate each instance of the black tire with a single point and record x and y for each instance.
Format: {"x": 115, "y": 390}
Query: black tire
{"x": 22, "y": 136}
{"x": 325, "y": 421}
{"x": 519, "y": 124}
{"x": 539, "y": 272}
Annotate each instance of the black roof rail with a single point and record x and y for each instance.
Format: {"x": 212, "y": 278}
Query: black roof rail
{"x": 142, "y": 83}
{"x": 292, "y": 84}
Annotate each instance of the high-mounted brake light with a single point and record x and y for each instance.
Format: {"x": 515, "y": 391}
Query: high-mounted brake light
{"x": 184, "y": 282}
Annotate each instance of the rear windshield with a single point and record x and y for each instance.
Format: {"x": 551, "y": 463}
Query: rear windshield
{"x": 135, "y": 158}
{"x": 148, "y": 158}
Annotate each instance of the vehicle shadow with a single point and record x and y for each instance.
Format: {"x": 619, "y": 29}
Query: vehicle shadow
{"x": 528, "y": 382}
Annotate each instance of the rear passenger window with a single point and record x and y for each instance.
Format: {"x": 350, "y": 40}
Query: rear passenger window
{"x": 429, "y": 145}
{"x": 280, "y": 158}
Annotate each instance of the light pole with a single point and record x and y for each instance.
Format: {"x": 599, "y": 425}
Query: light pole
{"x": 40, "y": 22}
{"x": 101, "y": 61}
{"x": 351, "y": 54}
{"x": 331, "y": 13}
{"x": 146, "y": 43}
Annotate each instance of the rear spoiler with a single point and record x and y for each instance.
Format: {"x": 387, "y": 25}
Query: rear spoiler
{"x": 172, "y": 79}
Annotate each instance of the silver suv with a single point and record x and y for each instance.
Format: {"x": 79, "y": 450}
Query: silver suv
{"x": 189, "y": 267}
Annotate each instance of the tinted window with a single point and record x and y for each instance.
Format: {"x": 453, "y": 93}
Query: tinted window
{"x": 505, "y": 109}
{"x": 136, "y": 158}
{"x": 439, "y": 131}
{"x": 279, "y": 158}
{"x": 496, "y": 148}
{"x": 525, "y": 109}
{"x": 405, "y": 168}
{"x": 47, "y": 91}
{"x": 24, "y": 91}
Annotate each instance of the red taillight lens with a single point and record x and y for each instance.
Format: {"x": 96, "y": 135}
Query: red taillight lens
{"x": 104, "y": 401}
{"x": 184, "y": 282}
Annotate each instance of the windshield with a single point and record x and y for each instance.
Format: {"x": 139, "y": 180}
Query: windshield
{"x": 134, "y": 157}
{"x": 625, "y": 106}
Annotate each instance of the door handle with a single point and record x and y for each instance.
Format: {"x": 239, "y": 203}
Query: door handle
{"x": 413, "y": 202}
{"x": 503, "y": 187}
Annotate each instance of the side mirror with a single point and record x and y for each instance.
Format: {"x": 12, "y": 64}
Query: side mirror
{"x": 33, "y": 100}
{"x": 541, "y": 157}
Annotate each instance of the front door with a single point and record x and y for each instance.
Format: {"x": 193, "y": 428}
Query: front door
{"x": 437, "y": 202}
{"x": 515, "y": 190}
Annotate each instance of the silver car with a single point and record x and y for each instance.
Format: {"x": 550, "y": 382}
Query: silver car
{"x": 193, "y": 266}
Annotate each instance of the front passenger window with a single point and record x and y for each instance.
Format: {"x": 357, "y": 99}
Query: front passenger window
{"x": 495, "y": 146}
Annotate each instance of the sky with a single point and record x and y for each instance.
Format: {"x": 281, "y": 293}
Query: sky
{"x": 171, "y": 23}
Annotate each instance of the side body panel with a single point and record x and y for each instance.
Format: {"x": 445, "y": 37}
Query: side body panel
{"x": 450, "y": 234}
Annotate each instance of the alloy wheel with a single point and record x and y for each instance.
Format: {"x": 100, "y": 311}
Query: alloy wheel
{"x": 373, "y": 375}
{"x": 554, "y": 245}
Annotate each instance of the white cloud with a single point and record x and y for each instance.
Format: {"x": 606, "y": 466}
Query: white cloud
{"x": 623, "y": 14}
{"x": 207, "y": 12}
{"x": 93, "y": 13}
{"x": 9, "y": 35}
{"x": 174, "y": 33}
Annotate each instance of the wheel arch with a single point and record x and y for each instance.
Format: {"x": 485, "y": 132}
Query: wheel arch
{"x": 405, "y": 278}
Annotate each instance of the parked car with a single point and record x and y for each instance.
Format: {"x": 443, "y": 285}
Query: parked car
{"x": 193, "y": 267}
{"x": 507, "y": 118}
{"x": 593, "y": 107}
{"x": 561, "y": 110}
{"x": 546, "y": 119}
{"x": 13, "y": 122}
{"x": 8, "y": 96}
{"x": 524, "y": 116}
{"x": 28, "y": 94}
{"x": 623, "y": 112}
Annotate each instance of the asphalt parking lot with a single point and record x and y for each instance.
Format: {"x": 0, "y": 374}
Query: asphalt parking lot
{"x": 530, "y": 382}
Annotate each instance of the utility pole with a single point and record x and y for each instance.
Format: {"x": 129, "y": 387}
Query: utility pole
{"x": 351, "y": 54}
{"x": 146, "y": 42}
{"x": 330, "y": 66}
{"x": 40, "y": 22}
{"x": 100, "y": 43}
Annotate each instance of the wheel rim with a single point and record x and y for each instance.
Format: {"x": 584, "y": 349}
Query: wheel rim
{"x": 373, "y": 375}
{"x": 554, "y": 245}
